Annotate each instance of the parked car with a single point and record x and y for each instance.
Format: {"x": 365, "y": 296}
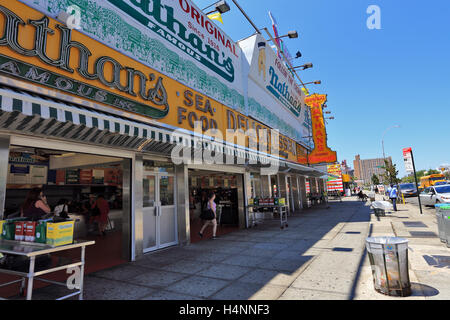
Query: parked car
{"x": 436, "y": 194}
{"x": 407, "y": 189}
{"x": 441, "y": 183}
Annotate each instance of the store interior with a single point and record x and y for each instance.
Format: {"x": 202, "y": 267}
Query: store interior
{"x": 74, "y": 179}
{"x": 226, "y": 188}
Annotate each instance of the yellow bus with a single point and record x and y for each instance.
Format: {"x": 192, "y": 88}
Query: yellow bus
{"x": 431, "y": 180}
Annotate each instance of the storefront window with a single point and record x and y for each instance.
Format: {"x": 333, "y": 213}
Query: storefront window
{"x": 256, "y": 185}
{"x": 274, "y": 186}
{"x": 149, "y": 192}
{"x": 166, "y": 185}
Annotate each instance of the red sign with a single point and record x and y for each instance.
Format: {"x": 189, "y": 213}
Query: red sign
{"x": 85, "y": 176}
{"x": 407, "y": 157}
{"x": 321, "y": 153}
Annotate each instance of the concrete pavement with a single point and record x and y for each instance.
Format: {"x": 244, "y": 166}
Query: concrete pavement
{"x": 320, "y": 256}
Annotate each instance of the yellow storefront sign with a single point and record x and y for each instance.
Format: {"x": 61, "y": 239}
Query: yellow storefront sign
{"x": 41, "y": 50}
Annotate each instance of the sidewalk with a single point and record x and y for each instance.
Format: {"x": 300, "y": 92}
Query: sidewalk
{"x": 429, "y": 259}
{"x": 320, "y": 256}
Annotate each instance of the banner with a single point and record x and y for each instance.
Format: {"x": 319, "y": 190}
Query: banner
{"x": 335, "y": 184}
{"x": 321, "y": 153}
{"x": 407, "y": 157}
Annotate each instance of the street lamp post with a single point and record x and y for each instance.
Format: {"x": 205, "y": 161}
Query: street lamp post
{"x": 382, "y": 139}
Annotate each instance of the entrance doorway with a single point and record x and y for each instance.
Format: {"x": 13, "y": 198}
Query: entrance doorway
{"x": 290, "y": 193}
{"x": 159, "y": 211}
{"x": 229, "y": 191}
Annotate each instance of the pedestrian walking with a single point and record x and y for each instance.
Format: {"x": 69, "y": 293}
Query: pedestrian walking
{"x": 209, "y": 216}
{"x": 393, "y": 193}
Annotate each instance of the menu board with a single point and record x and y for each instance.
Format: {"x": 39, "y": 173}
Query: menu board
{"x": 111, "y": 176}
{"x": 98, "y": 176}
{"x": 18, "y": 174}
{"x": 85, "y": 176}
{"x": 60, "y": 177}
{"x": 72, "y": 177}
{"x": 38, "y": 175}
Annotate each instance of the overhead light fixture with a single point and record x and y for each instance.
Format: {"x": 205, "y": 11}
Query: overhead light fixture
{"x": 304, "y": 67}
{"x": 314, "y": 82}
{"x": 291, "y": 35}
{"x": 65, "y": 155}
{"x": 220, "y": 6}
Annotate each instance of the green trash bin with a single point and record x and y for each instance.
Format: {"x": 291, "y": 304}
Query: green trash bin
{"x": 441, "y": 222}
{"x": 389, "y": 261}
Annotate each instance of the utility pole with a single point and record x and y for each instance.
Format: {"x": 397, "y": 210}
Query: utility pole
{"x": 417, "y": 185}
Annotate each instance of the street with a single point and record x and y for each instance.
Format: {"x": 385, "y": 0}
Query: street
{"x": 320, "y": 256}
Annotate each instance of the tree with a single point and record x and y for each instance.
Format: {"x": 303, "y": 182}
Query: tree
{"x": 433, "y": 171}
{"x": 447, "y": 175}
{"x": 375, "y": 180}
{"x": 390, "y": 174}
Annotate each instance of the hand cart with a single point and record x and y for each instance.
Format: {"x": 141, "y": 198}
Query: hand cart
{"x": 32, "y": 250}
{"x": 281, "y": 210}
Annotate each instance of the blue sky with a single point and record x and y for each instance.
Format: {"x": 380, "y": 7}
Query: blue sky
{"x": 399, "y": 75}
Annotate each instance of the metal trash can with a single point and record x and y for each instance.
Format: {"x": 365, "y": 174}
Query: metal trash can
{"x": 445, "y": 212}
{"x": 379, "y": 212}
{"x": 389, "y": 261}
{"x": 441, "y": 221}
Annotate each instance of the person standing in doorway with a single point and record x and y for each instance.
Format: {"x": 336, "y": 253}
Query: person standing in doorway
{"x": 392, "y": 192}
{"x": 209, "y": 216}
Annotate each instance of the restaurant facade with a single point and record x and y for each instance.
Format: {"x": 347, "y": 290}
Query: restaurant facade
{"x": 153, "y": 106}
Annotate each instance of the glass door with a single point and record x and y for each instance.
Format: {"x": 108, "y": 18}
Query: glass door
{"x": 150, "y": 213}
{"x": 167, "y": 211}
{"x": 159, "y": 211}
{"x": 289, "y": 193}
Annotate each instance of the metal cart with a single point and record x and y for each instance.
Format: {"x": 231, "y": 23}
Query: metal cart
{"x": 281, "y": 210}
{"x": 32, "y": 250}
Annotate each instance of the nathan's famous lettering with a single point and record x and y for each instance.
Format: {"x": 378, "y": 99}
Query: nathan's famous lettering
{"x": 202, "y": 107}
{"x": 164, "y": 23}
{"x": 281, "y": 91}
{"x": 121, "y": 78}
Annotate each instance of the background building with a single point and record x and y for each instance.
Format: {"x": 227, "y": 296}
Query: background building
{"x": 365, "y": 169}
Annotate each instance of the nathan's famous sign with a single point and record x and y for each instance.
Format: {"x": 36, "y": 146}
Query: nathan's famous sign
{"x": 38, "y": 49}
{"x": 273, "y": 94}
{"x": 172, "y": 36}
{"x": 321, "y": 153}
{"x": 78, "y": 70}
{"x": 184, "y": 33}
{"x": 271, "y": 74}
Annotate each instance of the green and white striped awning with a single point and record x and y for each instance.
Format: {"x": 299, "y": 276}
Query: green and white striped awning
{"x": 28, "y": 113}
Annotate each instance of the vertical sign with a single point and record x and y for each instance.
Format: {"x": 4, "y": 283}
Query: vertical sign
{"x": 407, "y": 157}
{"x": 411, "y": 167}
{"x": 335, "y": 184}
{"x": 321, "y": 153}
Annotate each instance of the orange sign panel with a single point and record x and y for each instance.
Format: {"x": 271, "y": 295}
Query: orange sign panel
{"x": 321, "y": 153}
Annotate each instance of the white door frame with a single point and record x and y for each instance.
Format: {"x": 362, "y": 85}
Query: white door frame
{"x": 158, "y": 209}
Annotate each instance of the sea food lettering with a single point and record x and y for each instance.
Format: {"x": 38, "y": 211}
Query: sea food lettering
{"x": 278, "y": 88}
{"x": 174, "y": 31}
{"x": 204, "y": 106}
{"x": 156, "y": 94}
